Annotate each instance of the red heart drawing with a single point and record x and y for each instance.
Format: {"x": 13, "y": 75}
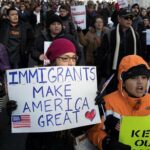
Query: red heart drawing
{"x": 90, "y": 114}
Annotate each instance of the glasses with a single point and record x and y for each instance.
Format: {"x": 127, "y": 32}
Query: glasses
{"x": 67, "y": 58}
{"x": 128, "y": 17}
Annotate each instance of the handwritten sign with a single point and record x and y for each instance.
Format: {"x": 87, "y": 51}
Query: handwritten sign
{"x": 122, "y": 3}
{"x": 53, "y": 98}
{"x": 46, "y": 46}
{"x": 148, "y": 37}
{"x": 78, "y": 14}
{"x": 135, "y": 131}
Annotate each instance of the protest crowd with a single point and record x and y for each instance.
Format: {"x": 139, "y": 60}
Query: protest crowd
{"x": 112, "y": 37}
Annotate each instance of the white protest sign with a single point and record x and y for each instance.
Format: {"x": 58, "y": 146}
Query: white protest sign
{"x": 148, "y": 37}
{"x": 46, "y": 46}
{"x": 122, "y": 3}
{"x": 79, "y": 15}
{"x": 53, "y": 98}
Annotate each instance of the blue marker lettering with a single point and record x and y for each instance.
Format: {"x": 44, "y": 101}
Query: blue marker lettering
{"x": 13, "y": 74}
{"x": 59, "y": 74}
{"x": 57, "y": 117}
{"x": 49, "y": 118}
{"x": 67, "y": 90}
{"x": 38, "y": 91}
{"x": 57, "y": 103}
{"x": 67, "y": 118}
{"x": 47, "y": 105}
{"x": 33, "y": 75}
{"x": 68, "y": 102}
{"x": 38, "y": 106}
{"x": 23, "y": 75}
{"x": 76, "y": 103}
{"x": 42, "y": 72}
{"x": 92, "y": 71}
{"x": 85, "y": 104}
{"x": 26, "y": 108}
{"x": 76, "y": 113}
{"x": 68, "y": 75}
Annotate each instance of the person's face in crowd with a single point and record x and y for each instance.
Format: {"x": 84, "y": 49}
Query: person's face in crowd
{"x": 99, "y": 24}
{"x": 135, "y": 10}
{"x": 55, "y": 28}
{"x": 144, "y": 12}
{"x": 38, "y": 9}
{"x": 63, "y": 12}
{"x": 22, "y": 7}
{"x": 125, "y": 22}
{"x": 90, "y": 9}
{"x": 13, "y": 16}
{"x": 136, "y": 86}
{"x": 67, "y": 59}
{"x": 146, "y": 22}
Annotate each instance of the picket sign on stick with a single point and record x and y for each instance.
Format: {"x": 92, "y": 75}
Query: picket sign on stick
{"x": 53, "y": 98}
{"x": 78, "y": 14}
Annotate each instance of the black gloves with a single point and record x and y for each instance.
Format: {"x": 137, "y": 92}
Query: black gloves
{"x": 11, "y": 106}
{"x": 79, "y": 29}
{"x": 109, "y": 144}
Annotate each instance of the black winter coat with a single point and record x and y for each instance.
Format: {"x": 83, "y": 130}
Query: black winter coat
{"x": 27, "y": 40}
{"x": 45, "y": 36}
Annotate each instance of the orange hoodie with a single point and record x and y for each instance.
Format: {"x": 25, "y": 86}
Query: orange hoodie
{"x": 119, "y": 104}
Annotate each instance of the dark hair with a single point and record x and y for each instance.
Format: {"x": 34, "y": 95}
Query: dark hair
{"x": 134, "y": 5}
{"x": 10, "y": 9}
{"x": 98, "y": 16}
{"x": 64, "y": 7}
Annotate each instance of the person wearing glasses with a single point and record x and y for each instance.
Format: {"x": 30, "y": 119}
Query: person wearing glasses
{"x": 121, "y": 41}
{"x": 62, "y": 52}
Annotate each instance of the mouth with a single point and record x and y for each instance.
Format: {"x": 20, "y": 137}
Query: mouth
{"x": 140, "y": 89}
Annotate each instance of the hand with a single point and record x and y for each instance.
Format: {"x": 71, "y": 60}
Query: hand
{"x": 41, "y": 57}
{"x": 109, "y": 144}
{"x": 79, "y": 29}
{"x": 11, "y": 106}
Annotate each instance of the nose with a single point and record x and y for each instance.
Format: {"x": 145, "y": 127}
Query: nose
{"x": 71, "y": 63}
{"x": 139, "y": 79}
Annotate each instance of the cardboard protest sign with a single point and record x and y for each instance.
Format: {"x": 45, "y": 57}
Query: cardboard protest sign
{"x": 122, "y": 3}
{"x": 135, "y": 131}
{"x": 53, "y": 98}
{"x": 78, "y": 14}
{"x": 46, "y": 46}
{"x": 148, "y": 37}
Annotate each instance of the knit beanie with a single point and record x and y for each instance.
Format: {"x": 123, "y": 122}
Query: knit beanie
{"x": 51, "y": 19}
{"x": 136, "y": 71}
{"x": 59, "y": 47}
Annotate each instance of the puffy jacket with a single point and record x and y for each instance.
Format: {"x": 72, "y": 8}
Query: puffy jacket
{"x": 118, "y": 104}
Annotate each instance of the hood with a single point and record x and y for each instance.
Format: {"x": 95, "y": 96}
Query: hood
{"x": 126, "y": 63}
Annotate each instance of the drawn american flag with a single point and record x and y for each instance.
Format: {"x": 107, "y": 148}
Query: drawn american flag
{"x": 21, "y": 121}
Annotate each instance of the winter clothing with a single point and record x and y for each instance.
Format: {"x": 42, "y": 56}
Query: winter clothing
{"x": 60, "y": 47}
{"x": 123, "y": 12}
{"x": 51, "y": 19}
{"x": 115, "y": 45}
{"x": 46, "y": 36}
{"x": 91, "y": 41}
{"x": 118, "y": 104}
{"x": 18, "y": 41}
{"x": 135, "y": 71}
{"x": 4, "y": 61}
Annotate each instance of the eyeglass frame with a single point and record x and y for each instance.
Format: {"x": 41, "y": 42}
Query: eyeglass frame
{"x": 128, "y": 17}
{"x": 68, "y": 58}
